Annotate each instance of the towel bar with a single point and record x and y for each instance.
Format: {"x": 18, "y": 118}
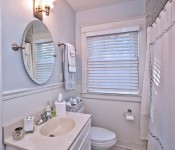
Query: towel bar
{"x": 60, "y": 44}
{"x": 15, "y": 47}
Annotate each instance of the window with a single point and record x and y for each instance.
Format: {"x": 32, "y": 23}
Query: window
{"x": 112, "y": 63}
{"x": 113, "y": 60}
{"x": 44, "y": 62}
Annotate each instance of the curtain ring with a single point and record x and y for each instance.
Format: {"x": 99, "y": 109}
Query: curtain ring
{"x": 151, "y": 26}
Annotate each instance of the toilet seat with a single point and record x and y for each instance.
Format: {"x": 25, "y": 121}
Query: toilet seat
{"x": 102, "y": 138}
{"x": 101, "y": 134}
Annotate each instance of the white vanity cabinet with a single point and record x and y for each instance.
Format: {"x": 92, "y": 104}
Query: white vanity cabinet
{"x": 79, "y": 137}
{"x": 83, "y": 140}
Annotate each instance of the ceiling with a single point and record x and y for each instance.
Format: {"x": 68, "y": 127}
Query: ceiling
{"x": 80, "y": 5}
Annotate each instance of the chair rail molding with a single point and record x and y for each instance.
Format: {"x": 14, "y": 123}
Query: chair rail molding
{"x": 7, "y": 95}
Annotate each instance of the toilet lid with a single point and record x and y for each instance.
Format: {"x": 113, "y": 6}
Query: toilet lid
{"x": 101, "y": 134}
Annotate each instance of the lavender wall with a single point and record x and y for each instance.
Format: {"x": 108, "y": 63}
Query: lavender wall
{"x": 111, "y": 108}
{"x": 21, "y": 95}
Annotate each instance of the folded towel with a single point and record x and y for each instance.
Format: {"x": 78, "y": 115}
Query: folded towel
{"x": 72, "y": 50}
{"x": 69, "y": 77}
{"x": 71, "y": 58}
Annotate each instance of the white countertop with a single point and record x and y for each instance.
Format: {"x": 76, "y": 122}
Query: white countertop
{"x": 36, "y": 141}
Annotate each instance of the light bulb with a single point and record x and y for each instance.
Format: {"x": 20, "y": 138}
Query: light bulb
{"x": 48, "y": 2}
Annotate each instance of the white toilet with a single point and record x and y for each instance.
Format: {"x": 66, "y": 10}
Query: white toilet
{"x": 102, "y": 139}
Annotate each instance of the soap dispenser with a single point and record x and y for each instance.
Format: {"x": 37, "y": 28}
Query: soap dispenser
{"x": 48, "y": 109}
{"x": 60, "y": 106}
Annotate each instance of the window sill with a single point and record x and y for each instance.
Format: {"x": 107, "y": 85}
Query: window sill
{"x": 113, "y": 97}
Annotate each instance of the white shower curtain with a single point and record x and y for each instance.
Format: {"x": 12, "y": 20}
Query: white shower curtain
{"x": 162, "y": 119}
{"x": 145, "y": 102}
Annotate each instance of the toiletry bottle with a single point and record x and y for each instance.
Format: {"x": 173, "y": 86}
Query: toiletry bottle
{"x": 60, "y": 106}
{"x": 53, "y": 111}
{"x": 48, "y": 109}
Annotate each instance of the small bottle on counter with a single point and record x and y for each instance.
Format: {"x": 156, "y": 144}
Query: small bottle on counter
{"x": 48, "y": 109}
{"x": 53, "y": 111}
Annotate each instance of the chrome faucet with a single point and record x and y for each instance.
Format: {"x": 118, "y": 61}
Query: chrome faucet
{"x": 44, "y": 118}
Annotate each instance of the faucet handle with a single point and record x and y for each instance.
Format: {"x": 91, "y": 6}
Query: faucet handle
{"x": 44, "y": 115}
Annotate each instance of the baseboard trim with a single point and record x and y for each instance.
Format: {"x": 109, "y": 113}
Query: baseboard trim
{"x": 7, "y": 95}
{"x": 121, "y": 145}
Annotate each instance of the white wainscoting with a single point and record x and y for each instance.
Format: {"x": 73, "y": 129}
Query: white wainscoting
{"x": 22, "y": 102}
{"x": 28, "y": 91}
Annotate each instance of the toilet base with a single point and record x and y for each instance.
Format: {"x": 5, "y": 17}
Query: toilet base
{"x": 100, "y": 148}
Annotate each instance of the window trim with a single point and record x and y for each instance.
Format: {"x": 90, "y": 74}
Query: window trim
{"x": 115, "y": 27}
{"x": 113, "y": 31}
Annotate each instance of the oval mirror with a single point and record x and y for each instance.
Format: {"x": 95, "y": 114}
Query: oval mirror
{"x": 38, "y": 52}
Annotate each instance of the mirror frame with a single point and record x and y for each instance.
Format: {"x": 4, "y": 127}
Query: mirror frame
{"x": 23, "y": 41}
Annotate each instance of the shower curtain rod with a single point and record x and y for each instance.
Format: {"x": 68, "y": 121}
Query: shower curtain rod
{"x": 163, "y": 9}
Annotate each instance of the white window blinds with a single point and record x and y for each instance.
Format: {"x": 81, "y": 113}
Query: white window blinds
{"x": 44, "y": 61}
{"x": 112, "y": 63}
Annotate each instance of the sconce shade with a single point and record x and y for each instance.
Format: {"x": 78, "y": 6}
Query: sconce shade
{"x": 49, "y": 3}
{"x": 40, "y": 6}
{"x": 36, "y": 9}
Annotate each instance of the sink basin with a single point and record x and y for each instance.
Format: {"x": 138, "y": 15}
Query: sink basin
{"x": 57, "y": 126}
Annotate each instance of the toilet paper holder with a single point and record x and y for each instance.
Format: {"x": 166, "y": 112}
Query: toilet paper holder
{"x": 128, "y": 115}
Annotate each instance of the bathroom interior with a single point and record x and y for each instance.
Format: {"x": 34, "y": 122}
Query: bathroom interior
{"x": 126, "y": 84}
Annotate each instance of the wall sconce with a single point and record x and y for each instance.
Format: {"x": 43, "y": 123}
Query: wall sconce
{"x": 40, "y": 6}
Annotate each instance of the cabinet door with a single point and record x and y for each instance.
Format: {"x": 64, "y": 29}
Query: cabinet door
{"x": 83, "y": 137}
{"x": 87, "y": 143}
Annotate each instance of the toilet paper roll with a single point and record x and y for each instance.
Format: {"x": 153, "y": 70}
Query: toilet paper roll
{"x": 130, "y": 118}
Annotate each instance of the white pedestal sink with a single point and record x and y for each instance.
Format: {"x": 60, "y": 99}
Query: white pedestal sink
{"x": 57, "y": 126}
